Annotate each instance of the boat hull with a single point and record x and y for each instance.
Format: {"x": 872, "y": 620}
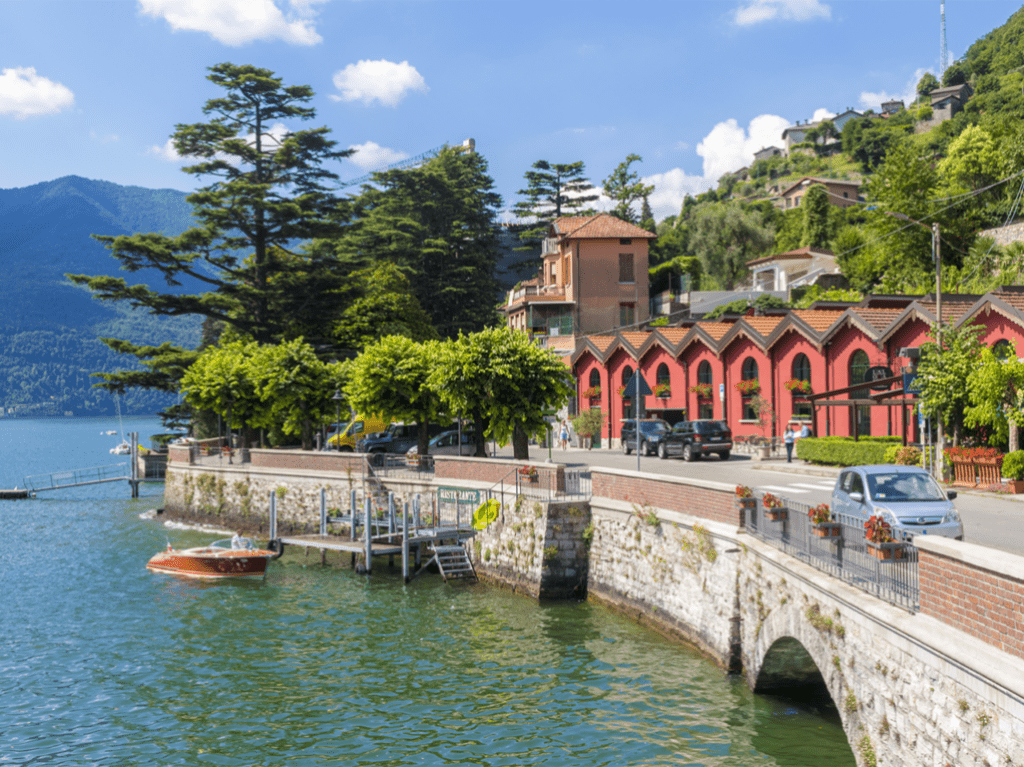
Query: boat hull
{"x": 211, "y": 563}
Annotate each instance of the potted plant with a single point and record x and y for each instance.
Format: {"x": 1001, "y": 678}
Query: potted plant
{"x": 748, "y": 388}
{"x": 798, "y": 386}
{"x": 746, "y": 503}
{"x": 702, "y": 390}
{"x": 1013, "y": 470}
{"x": 529, "y": 473}
{"x": 880, "y": 543}
{"x": 822, "y": 524}
{"x": 662, "y": 390}
{"x": 774, "y": 508}
{"x": 592, "y": 393}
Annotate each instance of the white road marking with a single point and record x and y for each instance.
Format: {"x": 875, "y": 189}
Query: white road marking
{"x": 787, "y": 489}
{"x": 818, "y": 486}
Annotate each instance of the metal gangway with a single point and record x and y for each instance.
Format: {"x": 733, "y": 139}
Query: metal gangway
{"x": 78, "y": 477}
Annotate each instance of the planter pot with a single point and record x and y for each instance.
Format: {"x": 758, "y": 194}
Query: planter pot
{"x": 826, "y": 530}
{"x": 751, "y": 503}
{"x": 777, "y": 515}
{"x": 964, "y": 474}
{"x": 1016, "y": 485}
{"x": 762, "y": 452}
{"x": 885, "y": 551}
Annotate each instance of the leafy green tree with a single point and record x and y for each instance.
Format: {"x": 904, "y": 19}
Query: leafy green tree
{"x": 972, "y": 160}
{"x": 386, "y": 306}
{"x": 461, "y": 376}
{"x": 943, "y": 374}
{"x": 626, "y": 189}
{"x": 647, "y": 216}
{"x": 927, "y": 84}
{"x": 270, "y": 189}
{"x": 552, "y": 190}
{"x": 220, "y": 381}
{"x": 392, "y": 377}
{"x": 995, "y": 387}
{"x": 816, "y": 207}
{"x": 436, "y": 223}
{"x": 954, "y": 75}
{"x": 725, "y": 237}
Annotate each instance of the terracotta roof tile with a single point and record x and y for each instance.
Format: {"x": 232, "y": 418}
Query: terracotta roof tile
{"x": 602, "y": 342}
{"x": 716, "y": 329}
{"x": 1016, "y": 300}
{"x": 879, "y": 319}
{"x": 561, "y": 342}
{"x": 601, "y": 226}
{"x": 817, "y": 319}
{"x": 953, "y": 307}
{"x": 807, "y": 252}
{"x": 763, "y": 325}
{"x": 673, "y": 335}
{"x": 636, "y": 340}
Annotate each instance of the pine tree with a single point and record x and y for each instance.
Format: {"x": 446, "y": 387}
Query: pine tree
{"x": 553, "y": 190}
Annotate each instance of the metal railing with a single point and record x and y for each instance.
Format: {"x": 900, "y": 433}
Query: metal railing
{"x": 400, "y": 466}
{"x": 845, "y": 556}
{"x": 78, "y": 477}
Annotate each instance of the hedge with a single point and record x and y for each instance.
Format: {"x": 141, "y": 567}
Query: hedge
{"x": 843, "y": 451}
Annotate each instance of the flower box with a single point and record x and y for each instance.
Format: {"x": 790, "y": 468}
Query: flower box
{"x": 748, "y": 387}
{"x": 662, "y": 391}
{"x": 777, "y": 514}
{"x": 826, "y": 529}
{"x": 703, "y": 391}
{"x": 886, "y": 552}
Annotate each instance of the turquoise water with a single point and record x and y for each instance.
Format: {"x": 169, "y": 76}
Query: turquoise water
{"x": 105, "y": 663}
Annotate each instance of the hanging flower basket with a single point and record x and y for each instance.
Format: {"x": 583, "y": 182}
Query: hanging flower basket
{"x": 662, "y": 390}
{"x": 529, "y": 473}
{"x": 774, "y": 508}
{"x": 592, "y": 393}
{"x": 886, "y": 551}
{"x": 798, "y": 386}
{"x": 703, "y": 391}
{"x": 747, "y": 388}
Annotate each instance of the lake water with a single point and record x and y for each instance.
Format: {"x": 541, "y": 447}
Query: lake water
{"x": 105, "y": 663}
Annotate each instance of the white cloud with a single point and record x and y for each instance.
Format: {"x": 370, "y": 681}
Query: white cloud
{"x": 236, "y": 22}
{"x": 271, "y": 143}
{"x": 729, "y": 147}
{"x": 822, "y": 114}
{"x": 370, "y": 156}
{"x": 383, "y": 81}
{"x": 167, "y": 152}
{"x": 671, "y": 187}
{"x": 873, "y": 100}
{"x": 23, "y": 94}
{"x": 758, "y": 11}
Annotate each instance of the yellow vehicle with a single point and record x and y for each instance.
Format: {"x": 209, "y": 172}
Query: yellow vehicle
{"x": 360, "y": 426}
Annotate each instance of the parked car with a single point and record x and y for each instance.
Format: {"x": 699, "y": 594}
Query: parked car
{"x": 904, "y": 496}
{"x": 651, "y": 432}
{"x": 398, "y": 438}
{"x": 693, "y": 439}
{"x": 447, "y": 443}
{"x": 355, "y": 430}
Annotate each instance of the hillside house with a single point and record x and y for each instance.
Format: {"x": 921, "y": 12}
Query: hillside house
{"x": 593, "y": 279}
{"x": 892, "y": 107}
{"x": 766, "y": 153}
{"x": 947, "y": 102}
{"x": 841, "y": 193}
{"x": 797, "y": 134}
{"x": 782, "y": 271}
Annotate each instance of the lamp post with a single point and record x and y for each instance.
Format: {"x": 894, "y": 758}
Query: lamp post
{"x": 337, "y": 418}
{"x": 937, "y": 259}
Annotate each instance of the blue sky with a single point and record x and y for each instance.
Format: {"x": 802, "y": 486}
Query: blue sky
{"x": 95, "y": 87}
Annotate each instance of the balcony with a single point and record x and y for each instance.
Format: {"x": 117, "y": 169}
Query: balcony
{"x": 550, "y": 245}
{"x": 543, "y": 291}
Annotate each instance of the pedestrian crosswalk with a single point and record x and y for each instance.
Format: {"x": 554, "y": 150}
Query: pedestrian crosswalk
{"x": 800, "y": 488}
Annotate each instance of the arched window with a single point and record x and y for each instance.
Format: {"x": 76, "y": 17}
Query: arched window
{"x": 1003, "y": 349}
{"x": 859, "y": 364}
{"x": 801, "y": 372}
{"x": 704, "y": 373}
{"x": 749, "y": 374}
{"x": 663, "y": 381}
{"x": 595, "y": 384}
{"x": 801, "y": 368}
{"x": 705, "y": 407}
{"x": 627, "y": 400}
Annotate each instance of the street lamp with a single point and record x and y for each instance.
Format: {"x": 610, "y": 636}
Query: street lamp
{"x": 337, "y": 418}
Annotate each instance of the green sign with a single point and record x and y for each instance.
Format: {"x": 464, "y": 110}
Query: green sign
{"x": 460, "y": 495}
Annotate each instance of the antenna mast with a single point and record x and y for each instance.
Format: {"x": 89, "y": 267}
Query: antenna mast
{"x": 943, "y": 54}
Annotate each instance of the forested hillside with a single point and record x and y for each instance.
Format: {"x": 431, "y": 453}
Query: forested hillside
{"x": 50, "y": 329}
{"x": 964, "y": 173}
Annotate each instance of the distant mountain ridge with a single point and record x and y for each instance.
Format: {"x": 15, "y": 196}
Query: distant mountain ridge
{"x": 49, "y": 329}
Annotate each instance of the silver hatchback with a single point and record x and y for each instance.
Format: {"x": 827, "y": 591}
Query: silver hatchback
{"x": 904, "y": 496}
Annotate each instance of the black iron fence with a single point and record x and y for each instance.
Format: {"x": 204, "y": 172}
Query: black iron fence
{"x": 888, "y": 572}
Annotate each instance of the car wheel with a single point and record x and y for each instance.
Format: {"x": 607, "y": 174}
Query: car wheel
{"x": 687, "y": 453}
{"x": 625, "y": 447}
{"x": 645, "y": 448}
{"x": 724, "y": 455}
{"x": 662, "y": 451}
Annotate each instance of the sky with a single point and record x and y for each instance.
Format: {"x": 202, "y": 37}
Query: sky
{"x": 94, "y": 88}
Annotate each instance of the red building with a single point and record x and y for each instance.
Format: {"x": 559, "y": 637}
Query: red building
{"x": 827, "y": 348}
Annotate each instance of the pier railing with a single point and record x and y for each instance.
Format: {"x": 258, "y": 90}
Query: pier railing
{"x": 844, "y": 555}
{"x": 78, "y": 477}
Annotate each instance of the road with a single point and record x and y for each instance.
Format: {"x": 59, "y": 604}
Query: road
{"x": 989, "y": 519}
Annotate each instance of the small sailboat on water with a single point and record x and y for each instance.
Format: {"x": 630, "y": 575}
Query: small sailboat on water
{"x": 125, "y": 447}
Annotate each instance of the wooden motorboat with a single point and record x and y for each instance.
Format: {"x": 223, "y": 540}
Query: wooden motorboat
{"x": 230, "y": 558}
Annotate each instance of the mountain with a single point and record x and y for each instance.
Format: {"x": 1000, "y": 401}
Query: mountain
{"x": 49, "y": 329}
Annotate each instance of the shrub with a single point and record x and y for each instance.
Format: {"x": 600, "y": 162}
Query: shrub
{"x": 843, "y": 451}
{"x": 1013, "y": 465}
{"x": 903, "y": 455}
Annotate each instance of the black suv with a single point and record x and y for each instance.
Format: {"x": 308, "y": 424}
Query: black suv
{"x": 397, "y": 439}
{"x": 692, "y": 439}
{"x": 651, "y": 432}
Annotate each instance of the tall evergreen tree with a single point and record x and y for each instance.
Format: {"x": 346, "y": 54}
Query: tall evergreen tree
{"x": 626, "y": 189}
{"x": 553, "y": 190}
{"x": 271, "y": 189}
{"x": 437, "y": 224}
{"x": 815, "y": 206}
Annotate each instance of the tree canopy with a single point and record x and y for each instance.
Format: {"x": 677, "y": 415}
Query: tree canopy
{"x": 552, "y": 190}
{"x": 626, "y": 189}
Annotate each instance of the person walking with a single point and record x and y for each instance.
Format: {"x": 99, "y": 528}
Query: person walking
{"x": 565, "y": 435}
{"x": 788, "y": 437}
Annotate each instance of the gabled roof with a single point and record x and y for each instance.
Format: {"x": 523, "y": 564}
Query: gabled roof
{"x": 814, "y": 180}
{"x": 807, "y": 252}
{"x": 603, "y": 226}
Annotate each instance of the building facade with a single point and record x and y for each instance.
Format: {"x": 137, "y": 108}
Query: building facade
{"x": 825, "y": 348}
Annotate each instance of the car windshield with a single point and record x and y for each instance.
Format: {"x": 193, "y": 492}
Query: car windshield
{"x": 706, "y": 426}
{"x": 895, "y": 486}
{"x": 653, "y": 427}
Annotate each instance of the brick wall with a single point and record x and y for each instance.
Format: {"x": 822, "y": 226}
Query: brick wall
{"x": 698, "y": 499}
{"x": 307, "y": 460}
{"x": 974, "y": 589}
{"x": 549, "y": 476}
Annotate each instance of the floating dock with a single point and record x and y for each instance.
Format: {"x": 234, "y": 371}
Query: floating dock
{"x": 15, "y": 494}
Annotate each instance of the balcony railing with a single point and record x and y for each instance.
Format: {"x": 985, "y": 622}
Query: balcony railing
{"x": 550, "y": 245}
